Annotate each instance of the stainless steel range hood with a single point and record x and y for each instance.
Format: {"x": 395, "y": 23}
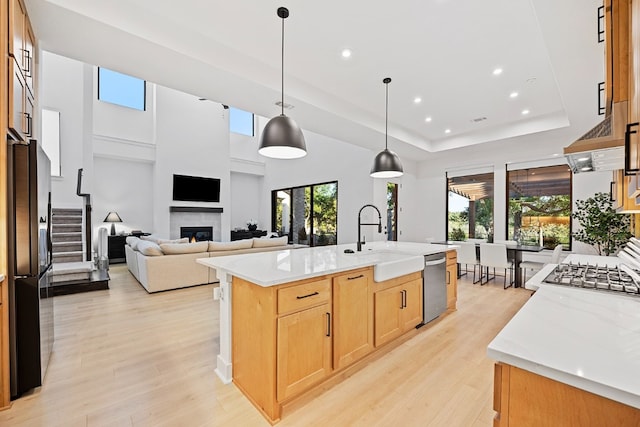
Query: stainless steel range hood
{"x": 601, "y": 148}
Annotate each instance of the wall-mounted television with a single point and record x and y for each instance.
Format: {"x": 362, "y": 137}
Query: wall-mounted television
{"x": 196, "y": 188}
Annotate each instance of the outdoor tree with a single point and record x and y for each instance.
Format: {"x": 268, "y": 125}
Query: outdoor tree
{"x": 600, "y": 225}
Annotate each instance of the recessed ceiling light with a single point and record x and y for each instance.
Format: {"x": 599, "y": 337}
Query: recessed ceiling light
{"x": 417, "y": 100}
{"x": 497, "y": 71}
{"x": 583, "y": 159}
{"x": 586, "y": 168}
{"x": 447, "y": 131}
{"x": 428, "y": 119}
{"x": 555, "y": 154}
{"x": 513, "y": 95}
{"x": 346, "y": 53}
{"x": 525, "y": 112}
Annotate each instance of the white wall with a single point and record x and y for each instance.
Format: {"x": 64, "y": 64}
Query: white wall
{"x": 192, "y": 138}
{"x": 62, "y": 89}
{"x": 246, "y": 200}
{"x": 128, "y": 191}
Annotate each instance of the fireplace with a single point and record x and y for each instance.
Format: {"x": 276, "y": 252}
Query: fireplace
{"x": 197, "y": 234}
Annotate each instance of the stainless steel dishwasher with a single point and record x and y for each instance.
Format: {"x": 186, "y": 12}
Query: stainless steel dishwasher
{"x": 434, "y": 286}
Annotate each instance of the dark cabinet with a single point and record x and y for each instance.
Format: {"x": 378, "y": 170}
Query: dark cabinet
{"x": 116, "y": 249}
{"x": 246, "y": 234}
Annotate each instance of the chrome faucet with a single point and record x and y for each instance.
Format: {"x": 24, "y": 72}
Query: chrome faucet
{"x": 379, "y": 224}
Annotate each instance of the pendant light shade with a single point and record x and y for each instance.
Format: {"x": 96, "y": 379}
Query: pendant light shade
{"x": 387, "y": 163}
{"x": 282, "y": 138}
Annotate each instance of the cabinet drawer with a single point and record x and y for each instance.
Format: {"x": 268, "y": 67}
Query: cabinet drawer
{"x": 302, "y": 296}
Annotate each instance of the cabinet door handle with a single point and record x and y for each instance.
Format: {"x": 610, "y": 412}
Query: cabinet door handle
{"x": 355, "y": 277}
{"x": 307, "y": 296}
{"x": 29, "y": 122}
{"x": 627, "y": 147}
{"x": 448, "y": 277}
{"x": 403, "y": 299}
{"x": 328, "y": 324}
{"x": 27, "y": 57}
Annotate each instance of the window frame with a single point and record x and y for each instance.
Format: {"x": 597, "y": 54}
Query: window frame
{"x": 533, "y": 168}
{"x": 144, "y": 91}
{"x": 274, "y": 201}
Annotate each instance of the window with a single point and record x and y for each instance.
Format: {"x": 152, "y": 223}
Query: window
{"x": 308, "y": 215}
{"x": 51, "y": 139}
{"x": 539, "y": 210}
{"x": 470, "y": 207}
{"x": 240, "y": 121}
{"x": 392, "y": 211}
{"x": 120, "y": 89}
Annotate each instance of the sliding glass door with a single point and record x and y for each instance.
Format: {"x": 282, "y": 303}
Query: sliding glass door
{"x": 308, "y": 214}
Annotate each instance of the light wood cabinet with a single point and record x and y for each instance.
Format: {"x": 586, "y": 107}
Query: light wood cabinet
{"x": 397, "y": 307}
{"x": 524, "y": 399}
{"x": 289, "y": 338}
{"x": 304, "y": 350}
{"x": 21, "y": 65}
{"x": 353, "y": 314}
{"x": 452, "y": 279}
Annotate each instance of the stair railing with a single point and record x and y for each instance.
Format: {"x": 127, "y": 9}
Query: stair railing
{"x": 87, "y": 217}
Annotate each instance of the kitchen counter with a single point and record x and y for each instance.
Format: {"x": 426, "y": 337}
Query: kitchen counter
{"x": 278, "y": 267}
{"x": 587, "y": 339}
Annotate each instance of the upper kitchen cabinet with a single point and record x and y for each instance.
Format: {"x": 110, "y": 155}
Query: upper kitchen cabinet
{"x": 21, "y": 64}
{"x": 616, "y": 51}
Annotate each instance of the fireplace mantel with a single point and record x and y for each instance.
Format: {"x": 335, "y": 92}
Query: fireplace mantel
{"x": 202, "y": 209}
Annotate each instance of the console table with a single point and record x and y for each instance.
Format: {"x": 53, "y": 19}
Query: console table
{"x": 246, "y": 234}
{"x": 116, "y": 248}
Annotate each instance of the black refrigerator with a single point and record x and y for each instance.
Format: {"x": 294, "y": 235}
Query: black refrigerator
{"x": 29, "y": 234}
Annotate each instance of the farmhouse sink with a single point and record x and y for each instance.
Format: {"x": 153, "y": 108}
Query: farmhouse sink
{"x": 389, "y": 265}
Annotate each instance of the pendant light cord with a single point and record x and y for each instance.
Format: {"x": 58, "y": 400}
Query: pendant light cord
{"x": 386, "y": 116}
{"x": 282, "y": 67}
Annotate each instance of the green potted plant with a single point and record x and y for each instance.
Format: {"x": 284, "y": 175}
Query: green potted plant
{"x": 600, "y": 225}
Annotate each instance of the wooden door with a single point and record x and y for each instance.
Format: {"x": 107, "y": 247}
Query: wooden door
{"x": 411, "y": 313}
{"x": 303, "y": 350}
{"x": 387, "y": 306}
{"x": 16, "y": 29}
{"x": 353, "y": 312}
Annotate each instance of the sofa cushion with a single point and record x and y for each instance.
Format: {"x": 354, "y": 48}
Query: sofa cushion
{"x": 265, "y": 243}
{"x": 151, "y": 238}
{"x": 133, "y": 242}
{"x": 149, "y": 248}
{"x": 182, "y": 240}
{"x": 230, "y": 246}
{"x": 184, "y": 248}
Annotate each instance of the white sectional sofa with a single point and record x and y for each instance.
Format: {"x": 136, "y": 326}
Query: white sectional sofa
{"x": 160, "y": 265}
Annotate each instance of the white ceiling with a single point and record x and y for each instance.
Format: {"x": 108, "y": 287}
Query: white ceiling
{"x": 443, "y": 51}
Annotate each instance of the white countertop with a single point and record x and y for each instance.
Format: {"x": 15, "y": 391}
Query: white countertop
{"x": 277, "y": 267}
{"x": 584, "y": 338}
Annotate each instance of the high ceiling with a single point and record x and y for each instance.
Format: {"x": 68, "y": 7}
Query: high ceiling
{"x": 442, "y": 51}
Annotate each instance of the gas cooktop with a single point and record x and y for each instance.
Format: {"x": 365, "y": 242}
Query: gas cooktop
{"x": 619, "y": 279}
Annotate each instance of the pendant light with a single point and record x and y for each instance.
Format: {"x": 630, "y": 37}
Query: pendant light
{"x": 387, "y": 163}
{"x": 281, "y": 137}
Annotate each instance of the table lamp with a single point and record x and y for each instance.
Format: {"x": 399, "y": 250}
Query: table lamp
{"x": 113, "y": 217}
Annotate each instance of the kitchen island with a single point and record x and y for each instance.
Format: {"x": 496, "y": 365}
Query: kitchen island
{"x": 569, "y": 357}
{"x": 291, "y": 319}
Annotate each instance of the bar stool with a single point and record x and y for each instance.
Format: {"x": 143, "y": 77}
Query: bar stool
{"x": 534, "y": 265}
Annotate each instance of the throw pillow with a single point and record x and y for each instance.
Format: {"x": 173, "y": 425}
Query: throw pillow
{"x": 133, "y": 242}
{"x": 182, "y": 240}
{"x": 265, "y": 243}
{"x": 230, "y": 246}
{"x": 149, "y": 248}
{"x": 151, "y": 238}
{"x": 184, "y": 248}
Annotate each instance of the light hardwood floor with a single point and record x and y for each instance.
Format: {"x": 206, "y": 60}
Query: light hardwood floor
{"x": 123, "y": 357}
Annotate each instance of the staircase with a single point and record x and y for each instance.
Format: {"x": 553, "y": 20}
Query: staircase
{"x": 66, "y": 235}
